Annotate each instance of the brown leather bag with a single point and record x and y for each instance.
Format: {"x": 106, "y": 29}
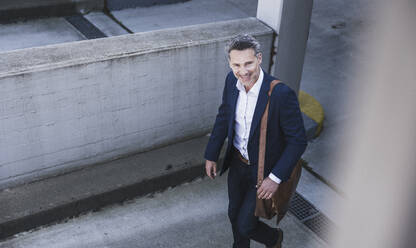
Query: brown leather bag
{"x": 279, "y": 203}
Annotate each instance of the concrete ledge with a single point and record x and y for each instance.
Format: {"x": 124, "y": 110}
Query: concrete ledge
{"x": 89, "y": 51}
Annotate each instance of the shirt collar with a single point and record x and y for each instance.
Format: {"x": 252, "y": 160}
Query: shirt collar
{"x": 256, "y": 87}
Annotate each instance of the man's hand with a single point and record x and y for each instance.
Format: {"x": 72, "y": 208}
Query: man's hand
{"x": 211, "y": 168}
{"x": 267, "y": 189}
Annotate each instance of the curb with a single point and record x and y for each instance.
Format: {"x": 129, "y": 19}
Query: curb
{"x": 68, "y": 195}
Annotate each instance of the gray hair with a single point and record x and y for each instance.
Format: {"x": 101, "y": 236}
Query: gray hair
{"x": 242, "y": 42}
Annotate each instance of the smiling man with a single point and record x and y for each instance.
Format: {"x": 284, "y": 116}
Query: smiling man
{"x": 243, "y": 103}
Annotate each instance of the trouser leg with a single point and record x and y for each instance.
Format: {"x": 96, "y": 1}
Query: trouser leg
{"x": 236, "y": 194}
{"x": 242, "y": 194}
{"x": 249, "y": 226}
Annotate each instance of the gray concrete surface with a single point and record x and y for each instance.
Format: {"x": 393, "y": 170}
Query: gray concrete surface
{"x": 332, "y": 53}
{"x": 247, "y": 6}
{"x": 45, "y": 201}
{"x": 26, "y": 4}
{"x": 105, "y": 24}
{"x": 191, "y": 215}
{"x": 176, "y": 15}
{"x": 76, "y": 104}
{"x": 124, "y": 4}
{"x": 15, "y": 9}
{"x": 324, "y": 198}
{"x": 291, "y": 42}
{"x": 38, "y": 32}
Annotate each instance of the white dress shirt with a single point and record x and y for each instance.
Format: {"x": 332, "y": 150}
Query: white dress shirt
{"x": 246, "y": 104}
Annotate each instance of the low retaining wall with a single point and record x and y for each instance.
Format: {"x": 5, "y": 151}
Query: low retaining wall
{"x": 70, "y": 105}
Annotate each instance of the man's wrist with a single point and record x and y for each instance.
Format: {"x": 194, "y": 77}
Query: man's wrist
{"x": 275, "y": 178}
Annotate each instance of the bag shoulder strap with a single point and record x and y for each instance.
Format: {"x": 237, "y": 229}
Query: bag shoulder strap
{"x": 263, "y": 132}
{"x": 272, "y": 84}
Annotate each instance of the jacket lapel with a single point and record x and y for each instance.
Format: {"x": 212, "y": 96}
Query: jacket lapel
{"x": 234, "y": 97}
{"x": 260, "y": 105}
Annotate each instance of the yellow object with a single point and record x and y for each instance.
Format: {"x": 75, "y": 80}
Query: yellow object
{"x": 313, "y": 109}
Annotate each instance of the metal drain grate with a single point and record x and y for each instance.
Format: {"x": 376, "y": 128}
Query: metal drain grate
{"x": 301, "y": 208}
{"x": 320, "y": 225}
{"x": 311, "y": 217}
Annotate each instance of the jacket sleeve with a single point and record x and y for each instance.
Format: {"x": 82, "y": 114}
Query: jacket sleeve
{"x": 291, "y": 124}
{"x": 220, "y": 130}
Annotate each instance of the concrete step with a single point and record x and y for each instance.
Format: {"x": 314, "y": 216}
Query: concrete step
{"x": 46, "y": 201}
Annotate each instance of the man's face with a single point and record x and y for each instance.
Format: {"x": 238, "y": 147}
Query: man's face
{"x": 245, "y": 65}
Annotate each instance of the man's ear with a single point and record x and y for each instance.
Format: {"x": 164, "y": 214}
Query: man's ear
{"x": 259, "y": 57}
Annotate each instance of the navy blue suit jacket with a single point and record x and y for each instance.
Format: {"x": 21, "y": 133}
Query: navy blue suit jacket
{"x": 286, "y": 139}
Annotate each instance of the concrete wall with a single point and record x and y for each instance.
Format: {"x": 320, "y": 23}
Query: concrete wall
{"x": 70, "y": 105}
{"x": 293, "y": 37}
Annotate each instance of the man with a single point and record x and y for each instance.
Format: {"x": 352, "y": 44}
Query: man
{"x": 243, "y": 103}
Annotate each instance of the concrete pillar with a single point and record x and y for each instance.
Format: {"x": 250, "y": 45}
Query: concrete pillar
{"x": 290, "y": 19}
{"x": 270, "y": 12}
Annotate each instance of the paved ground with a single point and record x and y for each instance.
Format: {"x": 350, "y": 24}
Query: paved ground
{"x": 331, "y": 51}
{"x": 190, "y": 215}
{"x": 46, "y": 31}
{"x": 36, "y": 33}
{"x": 175, "y": 15}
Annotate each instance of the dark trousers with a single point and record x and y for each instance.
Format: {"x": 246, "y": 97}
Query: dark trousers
{"x": 242, "y": 192}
